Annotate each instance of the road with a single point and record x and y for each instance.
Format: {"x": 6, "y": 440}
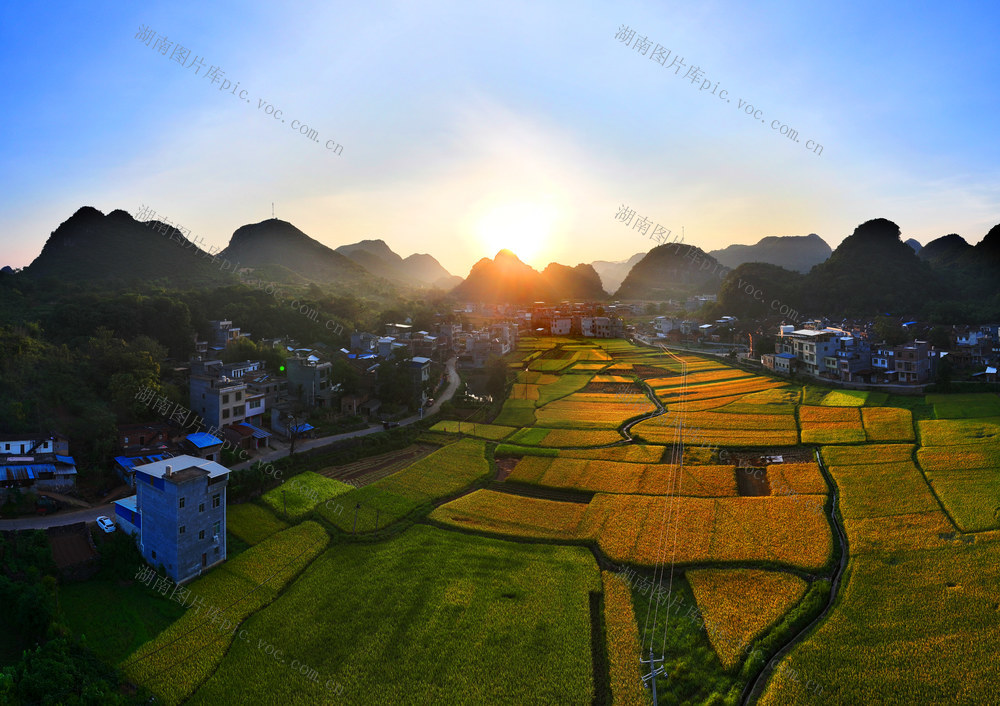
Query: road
{"x": 307, "y": 444}
{"x": 58, "y": 519}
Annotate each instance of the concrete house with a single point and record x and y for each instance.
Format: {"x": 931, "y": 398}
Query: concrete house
{"x": 178, "y": 514}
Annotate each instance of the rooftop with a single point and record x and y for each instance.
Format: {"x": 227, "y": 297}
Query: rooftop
{"x": 178, "y": 464}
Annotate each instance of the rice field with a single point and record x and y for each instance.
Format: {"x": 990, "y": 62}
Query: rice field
{"x": 956, "y": 432}
{"x": 738, "y": 605}
{"x": 965, "y": 406}
{"x": 628, "y": 478}
{"x": 493, "y": 432}
{"x": 887, "y": 424}
{"x": 781, "y": 530}
{"x": 722, "y": 429}
{"x": 252, "y": 523}
{"x": 512, "y": 515}
{"x": 622, "y": 642}
{"x": 831, "y": 425}
{"x": 845, "y": 398}
{"x": 296, "y": 497}
{"x": 796, "y": 478}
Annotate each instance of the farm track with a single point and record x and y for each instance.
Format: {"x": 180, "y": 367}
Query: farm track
{"x": 374, "y": 468}
{"x": 755, "y": 688}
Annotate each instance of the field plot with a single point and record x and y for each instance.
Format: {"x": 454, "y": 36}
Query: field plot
{"x": 301, "y": 493}
{"x": 438, "y": 475}
{"x": 959, "y": 456}
{"x": 517, "y": 413}
{"x": 722, "y": 429}
{"x": 783, "y": 530}
{"x": 252, "y": 523}
{"x": 867, "y": 454}
{"x": 555, "y": 438}
{"x": 775, "y": 401}
{"x": 796, "y": 478}
{"x": 911, "y": 627}
{"x": 740, "y": 604}
{"x": 883, "y": 489}
{"x": 429, "y": 617}
{"x": 622, "y": 642}
{"x": 492, "y": 432}
{"x": 831, "y": 425}
{"x": 593, "y": 411}
{"x": 887, "y": 423}
{"x": 845, "y": 398}
{"x": 629, "y": 478}
{"x": 181, "y": 657}
{"x": 965, "y": 406}
{"x": 955, "y": 432}
{"x": 512, "y": 515}
{"x": 971, "y": 497}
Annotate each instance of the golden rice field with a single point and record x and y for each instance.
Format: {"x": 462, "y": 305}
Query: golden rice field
{"x": 738, "y": 605}
{"x": 485, "y": 431}
{"x": 956, "y": 432}
{"x": 593, "y": 411}
{"x": 782, "y": 530}
{"x": 512, "y": 515}
{"x": 623, "y": 642}
{"x": 887, "y": 424}
{"x": 831, "y": 425}
{"x": 721, "y": 429}
{"x": 628, "y": 478}
{"x": 796, "y": 478}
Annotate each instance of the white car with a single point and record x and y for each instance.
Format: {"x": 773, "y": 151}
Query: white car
{"x": 106, "y": 523}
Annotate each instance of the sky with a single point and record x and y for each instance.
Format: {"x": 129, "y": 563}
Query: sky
{"x": 458, "y": 128}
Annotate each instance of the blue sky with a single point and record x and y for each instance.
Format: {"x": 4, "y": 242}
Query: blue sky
{"x": 466, "y": 127}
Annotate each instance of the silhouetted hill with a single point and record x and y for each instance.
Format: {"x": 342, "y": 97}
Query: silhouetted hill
{"x": 116, "y": 248}
{"x": 612, "y": 274}
{"x": 917, "y": 247}
{"x": 793, "y": 252}
{"x": 945, "y": 250}
{"x": 417, "y": 269}
{"x": 506, "y": 279}
{"x": 670, "y": 271}
{"x": 872, "y": 271}
{"x": 277, "y": 242}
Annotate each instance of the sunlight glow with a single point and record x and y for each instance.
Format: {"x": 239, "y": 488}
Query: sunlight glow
{"x": 522, "y": 227}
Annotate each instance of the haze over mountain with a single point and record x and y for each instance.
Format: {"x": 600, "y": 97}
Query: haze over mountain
{"x": 793, "y": 252}
{"x": 417, "y": 269}
{"x": 278, "y": 243}
{"x": 673, "y": 270}
{"x": 117, "y": 248}
{"x": 612, "y": 274}
{"x": 915, "y": 244}
{"x": 506, "y": 279}
{"x": 945, "y": 250}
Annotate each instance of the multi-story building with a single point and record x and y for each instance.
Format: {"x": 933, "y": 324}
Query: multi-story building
{"x": 216, "y": 397}
{"x": 310, "y": 381}
{"x": 222, "y": 333}
{"x": 812, "y": 347}
{"x": 178, "y": 514}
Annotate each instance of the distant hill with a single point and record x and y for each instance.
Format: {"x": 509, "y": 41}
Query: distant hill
{"x": 917, "y": 247}
{"x": 872, "y": 271}
{"x": 793, "y": 252}
{"x": 612, "y": 274}
{"x": 674, "y": 270}
{"x": 116, "y": 248}
{"x": 945, "y": 250}
{"x": 275, "y": 242}
{"x": 506, "y": 279}
{"x": 417, "y": 269}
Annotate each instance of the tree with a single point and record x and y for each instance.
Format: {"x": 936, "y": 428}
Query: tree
{"x": 939, "y": 338}
{"x": 943, "y": 376}
{"x": 496, "y": 377}
{"x": 889, "y": 331}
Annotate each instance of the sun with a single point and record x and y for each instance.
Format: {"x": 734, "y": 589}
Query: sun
{"x": 522, "y": 227}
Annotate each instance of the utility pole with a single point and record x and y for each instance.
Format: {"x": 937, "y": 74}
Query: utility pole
{"x": 654, "y": 671}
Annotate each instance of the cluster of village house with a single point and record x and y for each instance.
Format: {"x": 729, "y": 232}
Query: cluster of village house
{"x": 177, "y": 512}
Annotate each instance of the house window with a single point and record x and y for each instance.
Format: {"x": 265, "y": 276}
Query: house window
{"x": 225, "y": 399}
{"x": 201, "y": 534}
{"x": 225, "y": 414}
{"x": 216, "y": 527}
{"x": 216, "y": 550}
{"x": 239, "y": 396}
{"x": 180, "y": 530}
{"x": 201, "y": 507}
{"x": 180, "y": 503}
{"x": 215, "y": 500}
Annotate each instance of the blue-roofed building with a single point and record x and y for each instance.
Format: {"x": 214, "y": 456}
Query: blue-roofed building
{"x": 125, "y": 465}
{"x": 204, "y": 445}
{"x": 35, "y": 463}
{"x": 178, "y": 514}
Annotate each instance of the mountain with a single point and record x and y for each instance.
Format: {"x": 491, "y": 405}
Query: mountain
{"x": 612, "y": 274}
{"x": 116, "y": 248}
{"x": 417, "y": 269}
{"x": 506, "y": 279}
{"x": 917, "y": 247}
{"x": 872, "y": 271}
{"x": 278, "y": 243}
{"x": 673, "y": 270}
{"x": 945, "y": 250}
{"x": 793, "y": 252}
